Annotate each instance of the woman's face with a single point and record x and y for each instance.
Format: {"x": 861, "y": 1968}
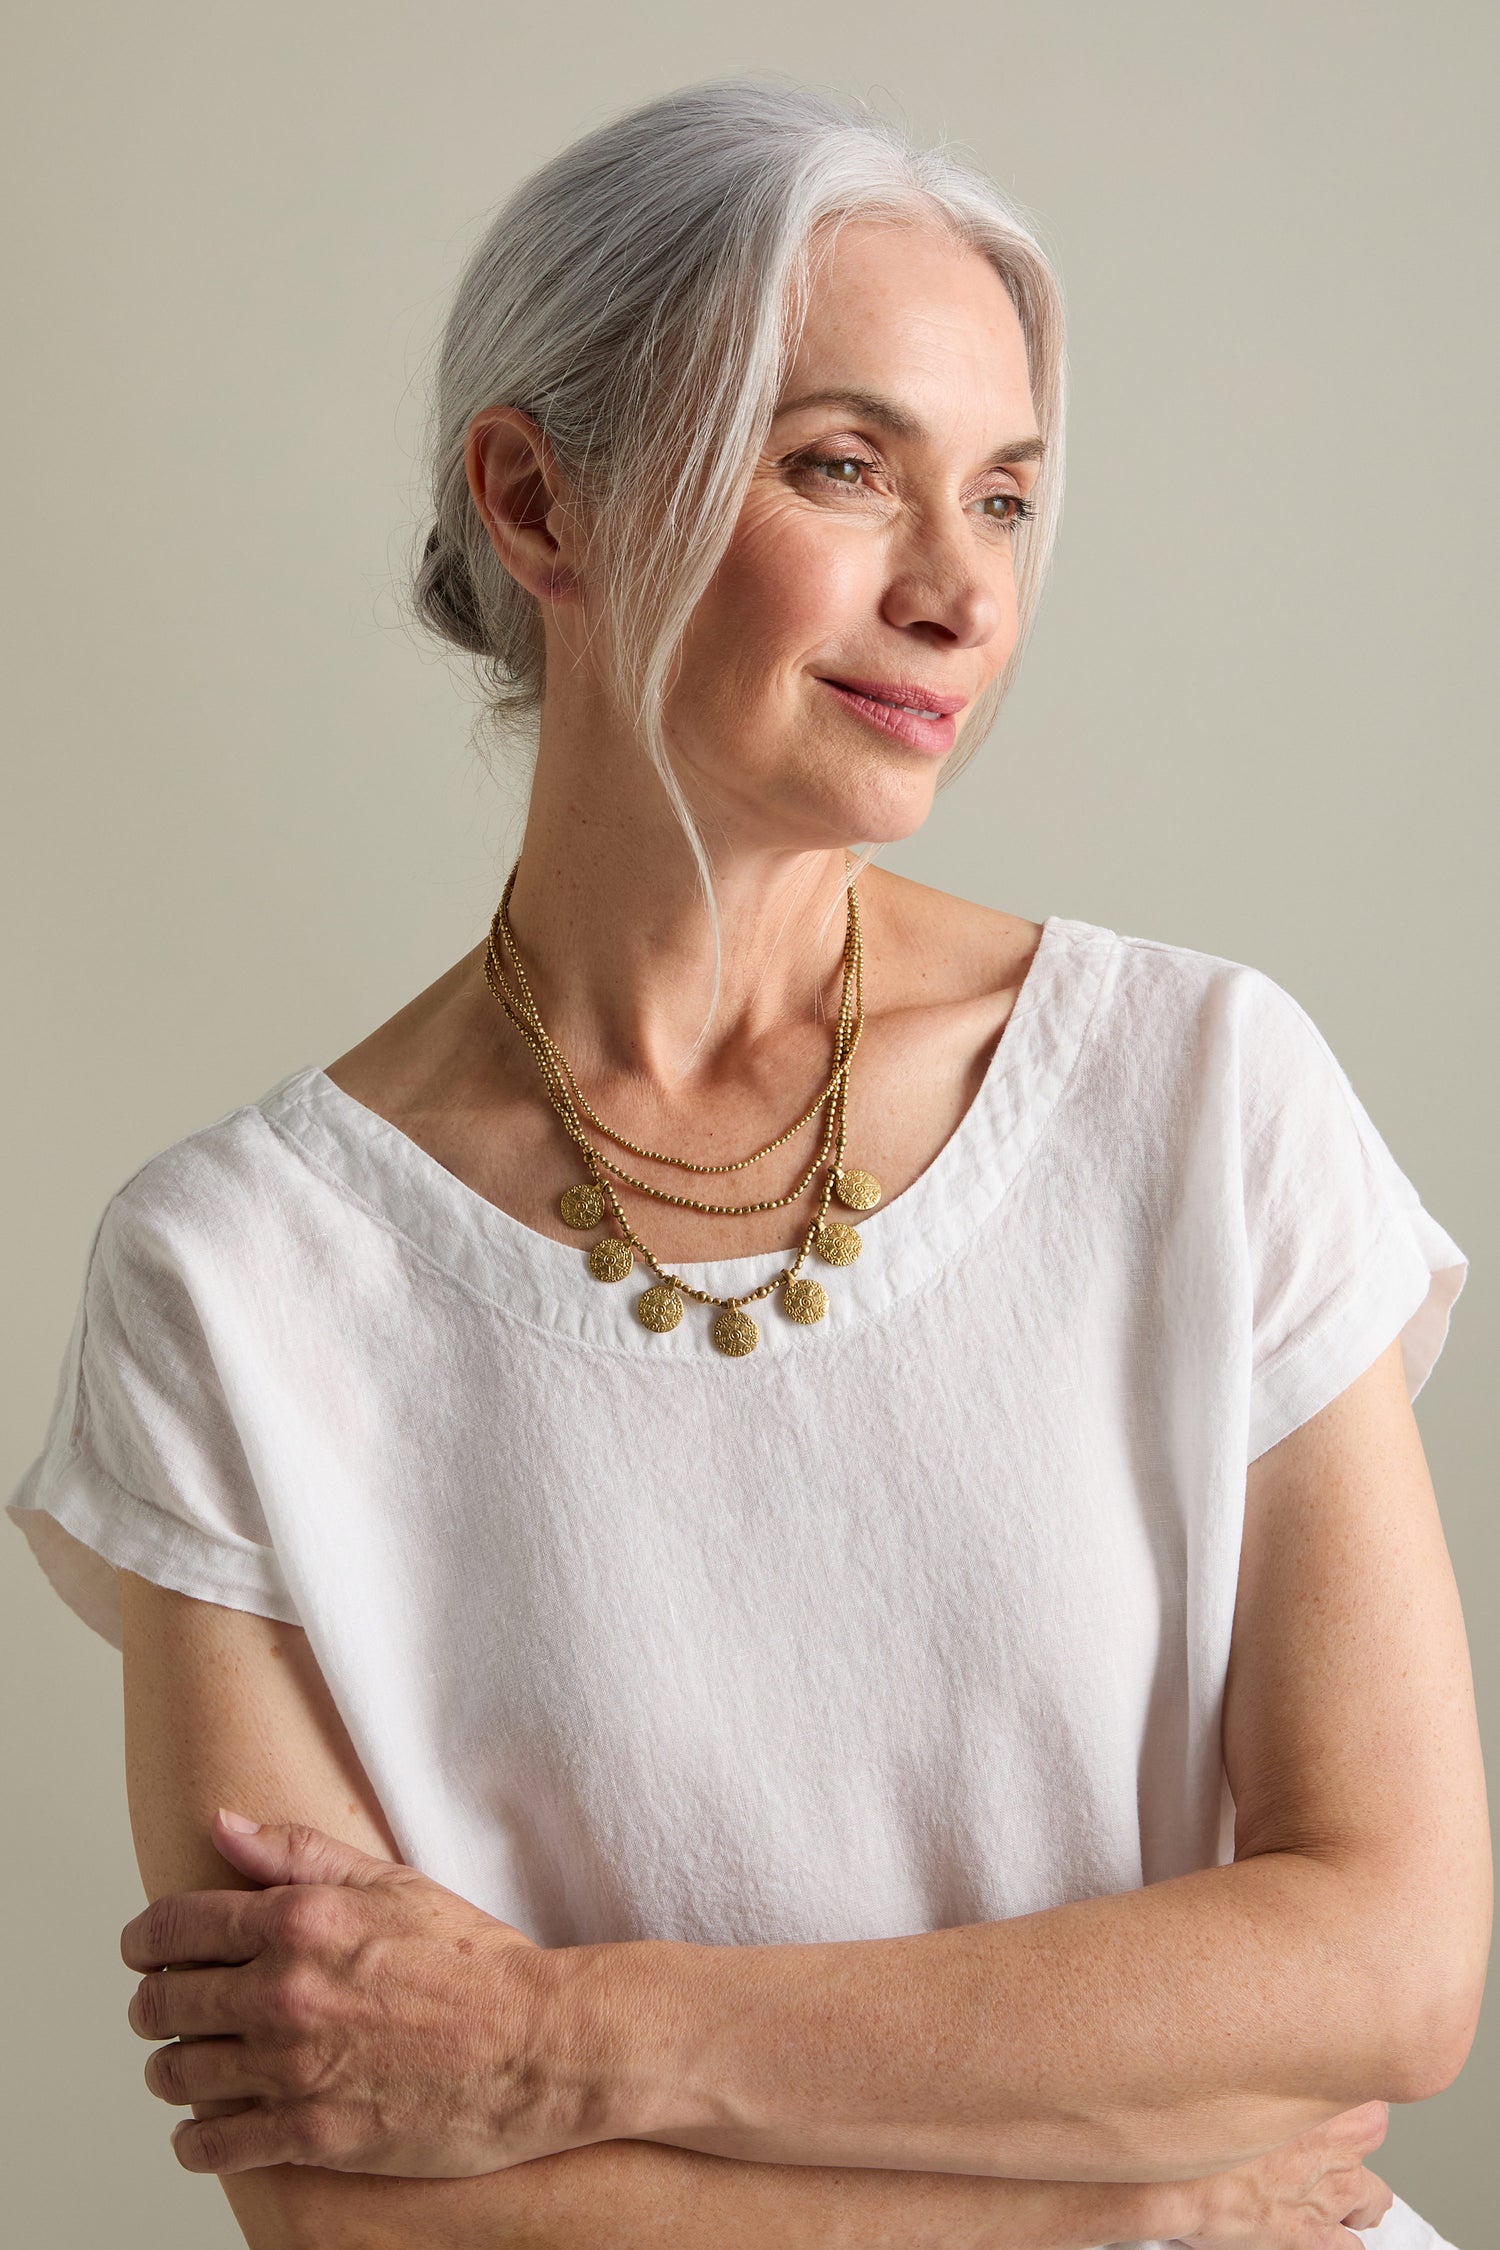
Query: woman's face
{"x": 875, "y": 551}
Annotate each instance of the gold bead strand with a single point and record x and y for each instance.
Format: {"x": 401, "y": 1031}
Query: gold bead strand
{"x": 856, "y": 1190}
{"x": 658, "y": 1156}
{"x": 735, "y": 1333}
{"x": 580, "y": 1205}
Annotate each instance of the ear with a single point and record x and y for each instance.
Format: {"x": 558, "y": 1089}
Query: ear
{"x": 524, "y": 499}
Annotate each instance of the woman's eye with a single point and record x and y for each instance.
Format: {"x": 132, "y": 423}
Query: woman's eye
{"x": 1023, "y": 510}
{"x": 837, "y": 461}
{"x": 847, "y": 468}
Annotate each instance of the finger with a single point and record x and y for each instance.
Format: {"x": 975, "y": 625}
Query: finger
{"x": 208, "y": 2070}
{"x": 1369, "y": 2124}
{"x": 1349, "y": 2137}
{"x": 241, "y": 2142}
{"x": 1374, "y": 2200}
{"x": 297, "y": 1854}
{"x": 185, "y": 2003}
{"x": 196, "y": 1926}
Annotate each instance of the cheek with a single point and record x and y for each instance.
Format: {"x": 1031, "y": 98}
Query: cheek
{"x": 788, "y": 586}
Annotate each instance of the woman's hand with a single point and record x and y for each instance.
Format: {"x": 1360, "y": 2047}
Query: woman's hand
{"x": 356, "y": 2016}
{"x": 1305, "y": 2195}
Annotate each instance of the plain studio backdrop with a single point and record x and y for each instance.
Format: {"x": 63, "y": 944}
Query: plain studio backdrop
{"x": 247, "y": 819}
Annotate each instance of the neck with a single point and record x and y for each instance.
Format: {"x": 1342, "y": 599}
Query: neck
{"x": 615, "y": 935}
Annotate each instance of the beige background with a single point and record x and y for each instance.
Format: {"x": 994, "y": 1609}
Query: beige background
{"x": 247, "y": 822}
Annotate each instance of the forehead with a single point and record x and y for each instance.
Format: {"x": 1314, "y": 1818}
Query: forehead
{"x": 901, "y": 306}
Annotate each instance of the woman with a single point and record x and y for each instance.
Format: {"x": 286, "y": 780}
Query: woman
{"x": 896, "y": 1680}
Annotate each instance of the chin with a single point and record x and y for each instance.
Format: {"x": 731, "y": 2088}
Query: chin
{"x": 891, "y": 802}
{"x": 825, "y": 795}
{"x": 883, "y": 814}
{"x": 881, "y": 825}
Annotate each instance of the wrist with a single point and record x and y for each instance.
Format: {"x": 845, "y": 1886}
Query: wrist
{"x": 1176, "y": 2210}
{"x": 611, "y": 2035}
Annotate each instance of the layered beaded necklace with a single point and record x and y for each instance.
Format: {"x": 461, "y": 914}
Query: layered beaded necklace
{"x": 584, "y": 1204}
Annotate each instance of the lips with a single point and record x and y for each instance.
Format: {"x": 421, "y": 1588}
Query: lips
{"x": 907, "y": 694}
{"x": 898, "y": 709}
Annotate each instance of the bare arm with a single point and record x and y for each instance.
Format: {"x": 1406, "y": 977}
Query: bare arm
{"x": 1178, "y": 2029}
{"x": 222, "y": 1707}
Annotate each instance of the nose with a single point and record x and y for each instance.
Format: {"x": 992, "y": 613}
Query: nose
{"x": 939, "y": 580}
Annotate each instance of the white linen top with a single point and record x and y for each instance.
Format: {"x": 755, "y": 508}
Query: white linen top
{"x": 914, "y": 1618}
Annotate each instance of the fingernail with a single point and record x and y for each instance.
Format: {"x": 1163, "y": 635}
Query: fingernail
{"x": 238, "y": 1823}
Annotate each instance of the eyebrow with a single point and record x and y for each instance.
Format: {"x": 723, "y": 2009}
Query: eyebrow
{"x": 876, "y": 408}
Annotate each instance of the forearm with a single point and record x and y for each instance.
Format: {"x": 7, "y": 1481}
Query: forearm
{"x": 1163, "y": 2034}
{"x": 628, "y": 2195}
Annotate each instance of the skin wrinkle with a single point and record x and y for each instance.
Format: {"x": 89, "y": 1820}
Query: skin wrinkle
{"x": 1195, "y": 2025}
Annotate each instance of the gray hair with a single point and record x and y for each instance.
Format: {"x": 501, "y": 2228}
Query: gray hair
{"x": 641, "y": 297}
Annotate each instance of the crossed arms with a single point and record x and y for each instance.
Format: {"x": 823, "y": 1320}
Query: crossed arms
{"x": 1036, "y": 2084}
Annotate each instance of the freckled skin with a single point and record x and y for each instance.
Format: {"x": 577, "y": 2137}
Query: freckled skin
{"x": 818, "y": 574}
{"x": 384, "y": 1992}
{"x": 902, "y": 568}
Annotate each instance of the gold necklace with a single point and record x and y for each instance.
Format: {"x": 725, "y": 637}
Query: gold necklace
{"x": 657, "y": 1156}
{"x": 583, "y": 1206}
{"x": 804, "y": 1300}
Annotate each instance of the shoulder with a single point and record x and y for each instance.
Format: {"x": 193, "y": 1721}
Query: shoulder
{"x": 217, "y": 1183}
{"x": 1186, "y": 979}
{"x": 933, "y": 948}
{"x": 1210, "y": 1059}
{"x": 1186, "y": 993}
{"x": 1223, "y": 1040}
{"x": 1149, "y": 987}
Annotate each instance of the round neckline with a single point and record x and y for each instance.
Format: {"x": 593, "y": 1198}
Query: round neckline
{"x": 533, "y": 1278}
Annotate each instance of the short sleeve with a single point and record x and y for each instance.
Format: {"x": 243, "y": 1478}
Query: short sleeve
{"x": 142, "y": 1467}
{"x": 1343, "y": 1256}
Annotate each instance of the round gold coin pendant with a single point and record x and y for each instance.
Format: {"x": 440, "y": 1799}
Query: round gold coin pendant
{"x": 659, "y": 1309}
{"x": 804, "y": 1301}
{"x": 857, "y": 1191}
{"x": 735, "y": 1333}
{"x": 836, "y": 1244}
{"x": 611, "y": 1258}
{"x": 582, "y": 1205}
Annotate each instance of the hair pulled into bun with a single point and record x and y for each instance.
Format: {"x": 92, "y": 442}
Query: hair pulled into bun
{"x": 641, "y": 297}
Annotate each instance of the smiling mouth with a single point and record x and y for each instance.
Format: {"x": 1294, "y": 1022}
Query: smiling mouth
{"x": 917, "y": 701}
{"x": 902, "y": 712}
{"x": 912, "y": 710}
